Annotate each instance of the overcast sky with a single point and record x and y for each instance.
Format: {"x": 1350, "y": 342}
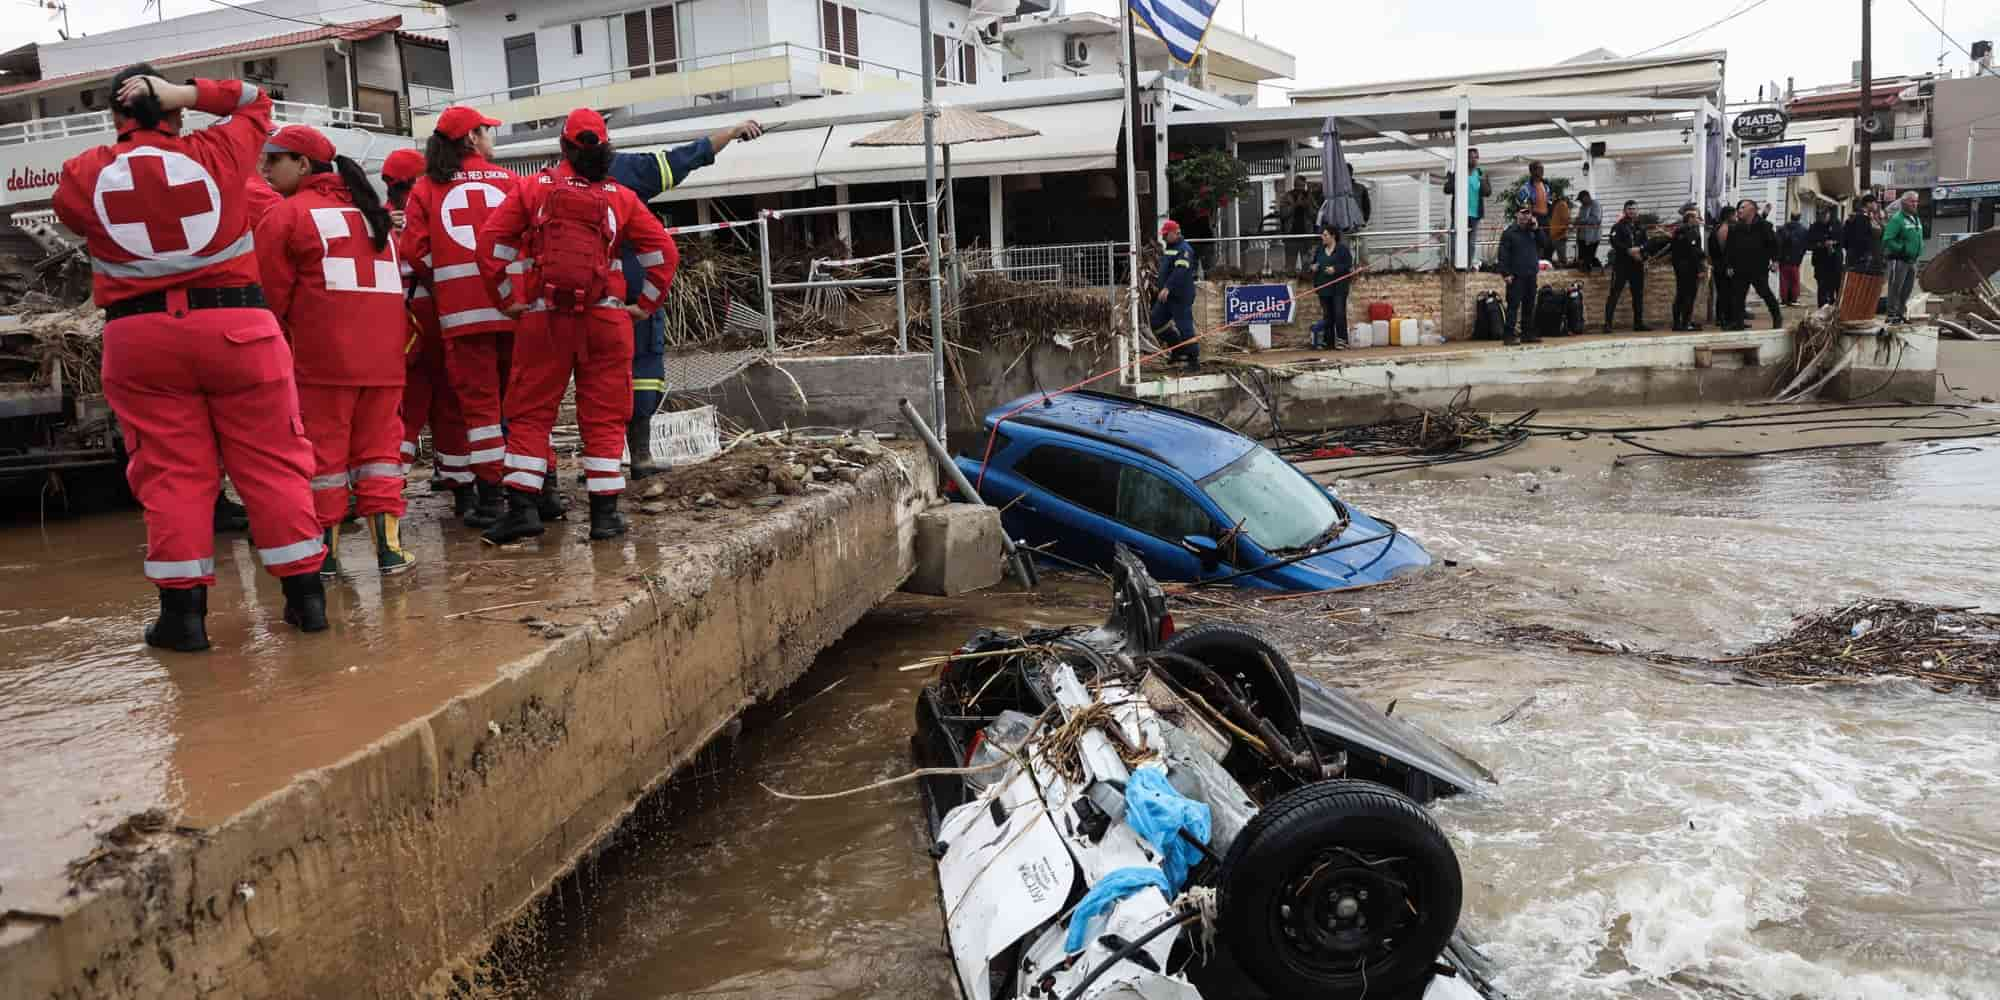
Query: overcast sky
{"x": 1811, "y": 40}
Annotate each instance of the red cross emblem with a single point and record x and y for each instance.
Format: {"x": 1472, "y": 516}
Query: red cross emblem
{"x": 351, "y": 262}
{"x": 465, "y": 208}
{"x": 157, "y": 203}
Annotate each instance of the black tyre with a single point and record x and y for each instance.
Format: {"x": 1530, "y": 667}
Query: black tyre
{"x": 1338, "y": 888}
{"x": 1248, "y": 659}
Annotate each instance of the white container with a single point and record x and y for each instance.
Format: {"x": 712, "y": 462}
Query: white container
{"x": 1406, "y": 332}
{"x": 1260, "y": 335}
{"x": 1363, "y": 335}
{"x": 1380, "y": 336}
{"x": 1430, "y": 328}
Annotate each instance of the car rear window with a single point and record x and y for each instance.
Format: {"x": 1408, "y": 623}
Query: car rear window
{"x": 1089, "y": 481}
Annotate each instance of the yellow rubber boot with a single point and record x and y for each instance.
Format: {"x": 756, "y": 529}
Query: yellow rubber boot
{"x": 331, "y": 567}
{"x": 390, "y": 557}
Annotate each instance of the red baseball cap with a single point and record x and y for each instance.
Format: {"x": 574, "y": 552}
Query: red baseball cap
{"x": 1169, "y": 228}
{"x": 585, "y": 122}
{"x": 402, "y": 165}
{"x": 304, "y": 140}
{"x": 458, "y": 121}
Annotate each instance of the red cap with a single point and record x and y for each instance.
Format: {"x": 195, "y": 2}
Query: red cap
{"x": 402, "y": 165}
{"x": 303, "y": 140}
{"x": 1169, "y": 229}
{"x": 458, "y": 121}
{"x": 585, "y": 122}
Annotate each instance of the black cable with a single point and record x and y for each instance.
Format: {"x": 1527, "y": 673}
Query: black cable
{"x": 1129, "y": 949}
{"x": 1752, "y": 419}
{"x": 1303, "y": 556}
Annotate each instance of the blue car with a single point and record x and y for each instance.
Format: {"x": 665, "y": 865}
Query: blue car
{"x": 1082, "y": 472}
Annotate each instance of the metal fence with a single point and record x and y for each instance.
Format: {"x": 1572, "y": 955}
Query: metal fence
{"x": 1070, "y": 265}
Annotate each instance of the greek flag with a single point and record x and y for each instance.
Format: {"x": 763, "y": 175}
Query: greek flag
{"x": 1180, "y": 23}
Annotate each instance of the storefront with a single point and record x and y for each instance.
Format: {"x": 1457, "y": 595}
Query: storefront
{"x": 1965, "y": 208}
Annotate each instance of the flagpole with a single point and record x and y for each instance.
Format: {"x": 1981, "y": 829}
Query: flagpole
{"x": 1129, "y": 77}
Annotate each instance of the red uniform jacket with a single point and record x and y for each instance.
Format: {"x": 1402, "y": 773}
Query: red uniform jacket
{"x": 262, "y": 199}
{"x": 339, "y": 299}
{"x": 507, "y": 244}
{"x": 158, "y": 210}
{"x": 440, "y": 239}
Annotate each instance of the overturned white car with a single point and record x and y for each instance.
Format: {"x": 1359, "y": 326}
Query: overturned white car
{"x": 1132, "y": 813}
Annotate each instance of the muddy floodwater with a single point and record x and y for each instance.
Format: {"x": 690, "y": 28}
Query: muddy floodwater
{"x": 1654, "y": 833}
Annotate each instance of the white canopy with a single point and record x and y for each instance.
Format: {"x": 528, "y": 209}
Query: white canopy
{"x": 776, "y": 161}
{"x": 1080, "y": 136}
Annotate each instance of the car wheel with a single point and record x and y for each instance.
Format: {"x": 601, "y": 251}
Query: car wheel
{"x": 1337, "y": 888}
{"x": 1246, "y": 658}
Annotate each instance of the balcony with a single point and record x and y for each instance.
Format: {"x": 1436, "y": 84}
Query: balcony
{"x": 780, "y": 71}
{"x": 98, "y": 123}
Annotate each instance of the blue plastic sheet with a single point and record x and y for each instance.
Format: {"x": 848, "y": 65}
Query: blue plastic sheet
{"x": 1157, "y": 813}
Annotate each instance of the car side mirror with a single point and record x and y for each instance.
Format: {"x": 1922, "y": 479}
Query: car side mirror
{"x": 1208, "y": 549}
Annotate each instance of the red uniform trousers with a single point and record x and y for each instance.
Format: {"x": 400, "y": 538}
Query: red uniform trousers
{"x": 198, "y": 395}
{"x": 355, "y": 431}
{"x": 1788, "y": 282}
{"x": 428, "y": 399}
{"x": 477, "y": 366}
{"x": 596, "y": 346}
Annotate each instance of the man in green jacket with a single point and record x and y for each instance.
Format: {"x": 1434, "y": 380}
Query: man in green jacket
{"x": 1902, "y": 243}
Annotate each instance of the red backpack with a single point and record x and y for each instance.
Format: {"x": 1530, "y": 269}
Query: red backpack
{"x": 573, "y": 245}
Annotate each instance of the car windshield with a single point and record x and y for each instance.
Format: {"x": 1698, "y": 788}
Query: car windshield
{"x": 1276, "y": 505}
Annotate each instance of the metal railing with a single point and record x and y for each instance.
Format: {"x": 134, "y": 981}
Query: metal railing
{"x": 764, "y": 219}
{"x": 1286, "y": 254}
{"x": 797, "y": 55}
{"x": 99, "y": 122}
{"x": 1066, "y": 265}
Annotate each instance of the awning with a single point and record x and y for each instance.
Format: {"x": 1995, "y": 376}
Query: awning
{"x": 1079, "y": 136}
{"x": 775, "y": 161}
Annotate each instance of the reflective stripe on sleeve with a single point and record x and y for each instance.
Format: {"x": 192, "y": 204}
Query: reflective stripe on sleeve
{"x": 181, "y": 569}
{"x": 282, "y": 554}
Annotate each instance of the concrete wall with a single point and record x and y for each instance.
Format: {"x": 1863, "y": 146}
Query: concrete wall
{"x": 849, "y": 392}
{"x": 384, "y": 874}
{"x": 1558, "y": 374}
{"x": 1957, "y": 107}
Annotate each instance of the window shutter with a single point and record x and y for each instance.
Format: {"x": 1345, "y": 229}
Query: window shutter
{"x": 829, "y": 26}
{"x": 968, "y": 62}
{"x": 665, "y": 47}
{"x": 637, "y": 52}
{"x": 940, "y": 66}
{"x": 850, "y": 32}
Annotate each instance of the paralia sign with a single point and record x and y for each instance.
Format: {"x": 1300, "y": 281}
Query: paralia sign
{"x": 1778, "y": 161}
{"x": 30, "y": 179}
{"x": 1270, "y": 303}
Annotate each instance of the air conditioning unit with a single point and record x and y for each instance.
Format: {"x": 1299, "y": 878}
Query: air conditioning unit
{"x": 260, "y": 70}
{"x": 1879, "y": 124}
{"x": 1076, "y": 51}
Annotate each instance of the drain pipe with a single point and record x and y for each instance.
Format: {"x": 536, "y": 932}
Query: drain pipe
{"x": 1024, "y": 566}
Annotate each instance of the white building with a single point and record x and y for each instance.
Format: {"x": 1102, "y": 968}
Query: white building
{"x": 1052, "y": 46}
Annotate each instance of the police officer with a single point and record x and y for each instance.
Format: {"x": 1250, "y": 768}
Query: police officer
{"x": 647, "y": 175}
{"x": 1173, "y": 306}
{"x": 1628, "y": 267}
{"x": 195, "y": 367}
{"x": 1689, "y": 258}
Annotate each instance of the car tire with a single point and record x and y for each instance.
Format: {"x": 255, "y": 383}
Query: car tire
{"x": 1328, "y": 844}
{"x": 1237, "y": 652}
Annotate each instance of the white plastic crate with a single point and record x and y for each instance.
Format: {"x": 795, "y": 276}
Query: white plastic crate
{"x": 685, "y": 437}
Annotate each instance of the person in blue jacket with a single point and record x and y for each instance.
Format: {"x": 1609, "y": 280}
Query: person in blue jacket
{"x": 1173, "y": 305}
{"x": 648, "y": 174}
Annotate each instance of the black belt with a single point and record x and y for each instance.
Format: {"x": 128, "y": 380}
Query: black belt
{"x": 238, "y": 297}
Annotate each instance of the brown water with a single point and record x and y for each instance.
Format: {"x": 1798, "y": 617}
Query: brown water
{"x": 1654, "y": 834}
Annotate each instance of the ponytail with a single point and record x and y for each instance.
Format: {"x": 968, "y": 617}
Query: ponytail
{"x": 362, "y": 190}
{"x": 592, "y": 162}
{"x": 442, "y": 157}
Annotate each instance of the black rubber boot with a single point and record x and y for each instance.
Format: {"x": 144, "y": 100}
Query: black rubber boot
{"x": 639, "y": 441}
{"x": 522, "y": 520}
{"x": 486, "y": 510}
{"x": 550, "y": 503}
{"x": 605, "y": 521}
{"x": 230, "y": 515}
{"x": 1777, "y": 320}
{"x": 305, "y": 602}
{"x": 464, "y": 500}
{"x": 183, "y": 622}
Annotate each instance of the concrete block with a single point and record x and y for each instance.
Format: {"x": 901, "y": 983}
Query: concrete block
{"x": 958, "y": 550}
{"x": 849, "y": 392}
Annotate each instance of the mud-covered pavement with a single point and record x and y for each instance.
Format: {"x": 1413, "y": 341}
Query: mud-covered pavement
{"x": 1656, "y": 833}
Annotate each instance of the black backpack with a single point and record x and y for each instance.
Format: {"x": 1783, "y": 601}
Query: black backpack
{"x": 1488, "y": 317}
{"x": 1551, "y": 313}
{"x": 1575, "y": 316}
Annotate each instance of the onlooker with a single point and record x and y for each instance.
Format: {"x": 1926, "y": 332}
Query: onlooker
{"x": 1689, "y": 259}
{"x": 1332, "y": 261}
{"x": 1722, "y": 291}
{"x": 1559, "y": 231}
{"x": 1751, "y": 251}
{"x": 1902, "y": 243}
{"x": 1520, "y": 261}
{"x": 1628, "y": 267}
{"x": 1535, "y": 195}
{"x": 1475, "y": 203}
{"x": 1792, "y": 246}
{"x": 1301, "y": 216}
{"x": 1861, "y": 239}
{"x": 1589, "y": 227}
{"x": 1825, "y": 240}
